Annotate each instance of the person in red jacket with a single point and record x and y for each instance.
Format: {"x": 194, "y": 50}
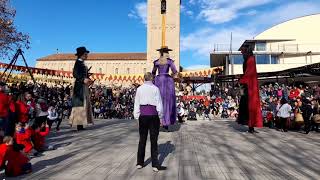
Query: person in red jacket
{"x": 16, "y": 162}
{"x": 294, "y": 93}
{"x": 23, "y": 110}
{"x": 23, "y": 137}
{"x": 40, "y": 137}
{"x": 4, "y": 107}
{"x": 7, "y": 141}
{"x": 250, "y": 108}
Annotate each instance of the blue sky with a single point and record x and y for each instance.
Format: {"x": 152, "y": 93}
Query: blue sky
{"x": 119, "y": 25}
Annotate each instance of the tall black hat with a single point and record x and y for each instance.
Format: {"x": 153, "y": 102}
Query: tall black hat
{"x": 81, "y": 51}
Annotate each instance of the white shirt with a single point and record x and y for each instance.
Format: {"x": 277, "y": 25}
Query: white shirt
{"x": 148, "y": 94}
{"x": 284, "y": 111}
{"x": 52, "y": 115}
{"x": 181, "y": 111}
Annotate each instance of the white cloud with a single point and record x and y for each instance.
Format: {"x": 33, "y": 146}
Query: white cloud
{"x": 221, "y": 11}
{"x": 186, "y": 11}
{"x": 203, "y": 41}
{"x": 139, "y": 12}
{"x": 196, "y": 67}
{"x": 286, "y": 12}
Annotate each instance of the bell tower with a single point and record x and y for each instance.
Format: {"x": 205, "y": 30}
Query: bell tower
{"x": 154, "y": 30}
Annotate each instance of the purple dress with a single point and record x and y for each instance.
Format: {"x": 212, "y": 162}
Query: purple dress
{"x": 167, "y": 90}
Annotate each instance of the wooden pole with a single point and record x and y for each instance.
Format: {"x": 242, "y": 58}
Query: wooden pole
{"x": 163, "y": 30}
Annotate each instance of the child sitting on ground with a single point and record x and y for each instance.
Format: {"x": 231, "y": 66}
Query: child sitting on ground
{"x": 7, "y": 141}
{"x": 13, "y": 161}
{"x": 17, "y": 163}
{"x": 23, "y": 136}
{"x": 40, "y": 138}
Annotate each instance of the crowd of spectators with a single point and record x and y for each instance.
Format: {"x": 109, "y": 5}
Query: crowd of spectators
{"x": 224, "y": 103}
{"x": 28, "y": 112}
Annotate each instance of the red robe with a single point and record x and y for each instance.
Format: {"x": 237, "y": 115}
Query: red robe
{"x": 40, "y": 139}
{"x": 16, "y": 160}
{"x": 250, "y": 78}
{"x": 25, "y": 139}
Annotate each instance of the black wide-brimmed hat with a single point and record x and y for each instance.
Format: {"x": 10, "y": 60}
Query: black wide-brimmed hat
{"x": 81, "y": 51}
{"x": 164, "y": 49}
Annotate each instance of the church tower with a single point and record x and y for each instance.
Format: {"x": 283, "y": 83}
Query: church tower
{"x": 155, "y": 31}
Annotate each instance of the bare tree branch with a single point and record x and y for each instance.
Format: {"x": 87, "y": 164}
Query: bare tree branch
{"x": 10, "y": 38}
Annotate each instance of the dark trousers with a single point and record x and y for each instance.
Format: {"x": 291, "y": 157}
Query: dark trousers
{"x": 283, "y": 122}
{"x": 58, "y": 121}
{"x": 151, "y": 124}
{"x": 180, "y": 119}
{"x": 307, "y": 126}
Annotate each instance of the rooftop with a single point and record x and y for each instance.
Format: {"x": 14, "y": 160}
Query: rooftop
{"x": 96, "y": 56}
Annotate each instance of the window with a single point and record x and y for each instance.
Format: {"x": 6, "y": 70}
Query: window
{"x": 263, "y": 59}
{"x": 128, "y": 70}
{"x": 116, "y": 71}
{"x": 261, "y": 47}
{"x": 274, "y": 60}
{"x": 144, "y": 70}
{"x": 100, "y": 70}
{"x": 237, "y": 59}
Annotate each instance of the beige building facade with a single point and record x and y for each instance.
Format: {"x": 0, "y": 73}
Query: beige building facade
{"x": 154, "y": 30}
{"x": 291, "y": 44}
{"x": 105, "y": 63}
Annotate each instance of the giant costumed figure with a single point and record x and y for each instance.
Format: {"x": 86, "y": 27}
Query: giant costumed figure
{"x": 163, "y": 80}
{"x": 250, "y": 108}
{"x": 81, "y": 114}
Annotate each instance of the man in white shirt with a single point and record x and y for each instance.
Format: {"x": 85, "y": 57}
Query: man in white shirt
{"x": 148, "y": 110}
{"x": 284, "y": 113}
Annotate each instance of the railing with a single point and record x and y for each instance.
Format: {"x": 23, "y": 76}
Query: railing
{"x": 274, "y": 47}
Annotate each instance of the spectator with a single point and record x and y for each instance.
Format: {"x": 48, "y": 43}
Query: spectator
{"x": 284, "y": 113}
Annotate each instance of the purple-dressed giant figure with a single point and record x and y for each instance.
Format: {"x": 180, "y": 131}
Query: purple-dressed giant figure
{"x": 166, "y": 85}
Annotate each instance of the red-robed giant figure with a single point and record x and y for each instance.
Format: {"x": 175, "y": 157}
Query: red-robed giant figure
{"x": 250, "y": 108}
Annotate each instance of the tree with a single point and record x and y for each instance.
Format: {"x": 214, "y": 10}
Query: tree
{"x": 10, "y": 38}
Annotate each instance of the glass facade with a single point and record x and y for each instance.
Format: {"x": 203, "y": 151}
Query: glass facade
{"x": 260, "y": 59}
{"x": 237, "y": 59}
{"x": 274, "y": 60}
{"x": 261, "y": 47}
{"x": 263, "y": 59}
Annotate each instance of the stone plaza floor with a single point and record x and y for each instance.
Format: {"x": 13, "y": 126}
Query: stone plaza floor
{"x": 195, "y": 150}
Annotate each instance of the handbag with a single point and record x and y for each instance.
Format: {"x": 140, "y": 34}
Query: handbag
{"x": 299, "y": 117}
{"x": 316, "y": 118}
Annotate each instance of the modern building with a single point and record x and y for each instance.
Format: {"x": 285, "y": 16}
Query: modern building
{"x": 291, "y": 44}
